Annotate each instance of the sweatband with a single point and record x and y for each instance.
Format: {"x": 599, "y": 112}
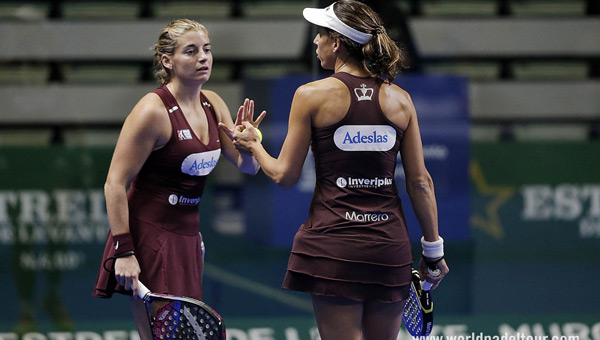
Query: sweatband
{"x": 433, "y": 250}
{"x": 123, "y": 243}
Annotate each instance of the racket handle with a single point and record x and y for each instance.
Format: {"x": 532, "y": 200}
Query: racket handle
{"x": 434, "y": 272}
{"x": 142, "y": 290}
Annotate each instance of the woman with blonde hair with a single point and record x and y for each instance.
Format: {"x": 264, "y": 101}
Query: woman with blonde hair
{"x": 169, "y": 144}
{"x": 353, "y": 254}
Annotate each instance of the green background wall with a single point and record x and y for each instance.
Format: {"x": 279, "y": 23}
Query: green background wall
{"x": 531, "y": 265}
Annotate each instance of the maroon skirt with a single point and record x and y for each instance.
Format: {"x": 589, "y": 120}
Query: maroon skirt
{"x": 352, "y": 268}
{"x": 170, "y": 263}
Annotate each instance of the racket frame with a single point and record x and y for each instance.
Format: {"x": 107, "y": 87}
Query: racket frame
{"x": 147, "y": 296}
{"x": 418, "y": 311}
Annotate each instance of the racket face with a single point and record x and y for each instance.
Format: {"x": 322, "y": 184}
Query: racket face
{"x": 185, "y": 320}
{"x": 413, "y": 314}
{"x": 417, "y": 320}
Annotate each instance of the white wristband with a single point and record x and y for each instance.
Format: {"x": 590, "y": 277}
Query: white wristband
{"x": 433, "y": 250}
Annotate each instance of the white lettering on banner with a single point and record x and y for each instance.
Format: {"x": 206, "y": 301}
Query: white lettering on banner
{"x": 564, "y": 202}
{"x": 81, "y": 335}
{"x": 60, "y": 216}
{"x": 308, "y": 176}
{"x": 431, "y": 152}
{"x": 438, "y": 152}
{"x": 261, "y": 334}
{"x": 568, "y": 331}
{"x": 200, "y": 164}
{"x": 525, "y": 331}
{"x": 51, "y": 260}
{"x": 291, "y": 334}
{"x": 365, "y": 137}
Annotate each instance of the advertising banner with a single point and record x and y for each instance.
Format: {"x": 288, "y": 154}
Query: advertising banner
{"x": 497, "y": 327}
{"x": 535, "y": 209}
{"x": 536, "y": 226}
{"x": 53, "y": 227}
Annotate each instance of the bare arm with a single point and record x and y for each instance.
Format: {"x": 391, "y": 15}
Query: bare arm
{"x": 143, "y": 130}
{"x": 243, "y": 161}
{"x": 419, "y": 183}
{"x": 420, "y": 188}
{"x": 285, "y": 170}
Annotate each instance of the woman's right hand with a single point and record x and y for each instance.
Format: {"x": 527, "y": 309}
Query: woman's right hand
{"x": 127, "y": 272}
{"x": 426, "y": 275}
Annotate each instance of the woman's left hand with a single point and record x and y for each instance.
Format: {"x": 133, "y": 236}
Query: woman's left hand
{"x": 245, "y": 115}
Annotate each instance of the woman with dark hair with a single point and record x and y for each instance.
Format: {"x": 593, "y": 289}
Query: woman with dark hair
{"x": 353, "y": 254}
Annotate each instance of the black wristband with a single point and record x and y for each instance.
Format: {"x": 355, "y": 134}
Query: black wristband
{"x": 431, "y": 263}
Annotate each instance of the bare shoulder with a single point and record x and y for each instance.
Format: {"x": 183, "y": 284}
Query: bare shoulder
{"x": 396, "y": 104}
{"x": 321, "y": 88}
{"x": 218, "y": 104}
{"x": 149, "y": 106}
{"x": 323, "y": 95}
{"x": 213, "y": 97}
{"x": 392, "y": 94}
{"x": 149, "y": 117}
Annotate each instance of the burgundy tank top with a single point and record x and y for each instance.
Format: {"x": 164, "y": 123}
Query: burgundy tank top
{"x": 169, "y": 187}
{"x": 355, "y": 160}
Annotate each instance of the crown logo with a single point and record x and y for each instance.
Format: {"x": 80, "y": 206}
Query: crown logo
{"x": 363, "y": 93}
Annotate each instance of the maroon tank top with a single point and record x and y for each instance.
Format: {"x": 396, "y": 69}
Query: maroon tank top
{"x": 355, "y": 160}
{"x": 169, "y": 187}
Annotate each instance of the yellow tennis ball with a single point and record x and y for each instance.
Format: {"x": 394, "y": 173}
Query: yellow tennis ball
{"x": 259, "y": 134}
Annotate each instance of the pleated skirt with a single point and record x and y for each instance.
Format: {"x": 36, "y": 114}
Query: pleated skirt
{"x": 170, "y": 262}
{"x": 353, "y": 268}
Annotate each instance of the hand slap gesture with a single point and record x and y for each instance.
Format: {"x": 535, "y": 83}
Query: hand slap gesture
{"x": 244, "y": 118}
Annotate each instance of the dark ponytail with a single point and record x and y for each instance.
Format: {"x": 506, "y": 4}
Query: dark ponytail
{"x": 380, "y": 56}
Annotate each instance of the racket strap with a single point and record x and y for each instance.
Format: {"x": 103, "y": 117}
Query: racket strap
{"x": 431, "y": 263}
{"x": 114, "y": 258}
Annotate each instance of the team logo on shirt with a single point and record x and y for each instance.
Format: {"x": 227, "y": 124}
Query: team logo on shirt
{"x": 363, "y": 93}
{"x": 200, "y": 164}
{"x": 184, "y": 134}
{"x": 365, "y": 137}
{"x": 363, "y": 183}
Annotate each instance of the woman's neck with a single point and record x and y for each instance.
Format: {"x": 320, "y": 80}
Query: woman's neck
{"x": 350, "y": 67}
{"x": 184, "y": 93}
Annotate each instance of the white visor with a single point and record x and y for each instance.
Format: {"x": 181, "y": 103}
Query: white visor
{"x": 325, "y": 17}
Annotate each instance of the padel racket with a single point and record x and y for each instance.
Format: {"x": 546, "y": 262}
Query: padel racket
{"x": 418, "y": 311}
{"x": 180, "y": 317}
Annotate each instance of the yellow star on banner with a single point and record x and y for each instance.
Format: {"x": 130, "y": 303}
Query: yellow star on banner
{"x": 491, "y": 222}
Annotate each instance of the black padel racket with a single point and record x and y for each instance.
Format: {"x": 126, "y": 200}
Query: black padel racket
{"x": 418, "y": 311}
{"x": 180, "y": 317}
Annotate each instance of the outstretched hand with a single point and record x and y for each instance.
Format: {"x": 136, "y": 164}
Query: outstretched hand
{"x": 244, "y": 118}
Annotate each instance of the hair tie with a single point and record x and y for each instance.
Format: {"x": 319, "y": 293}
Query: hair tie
{"x": 378, "y": 30}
